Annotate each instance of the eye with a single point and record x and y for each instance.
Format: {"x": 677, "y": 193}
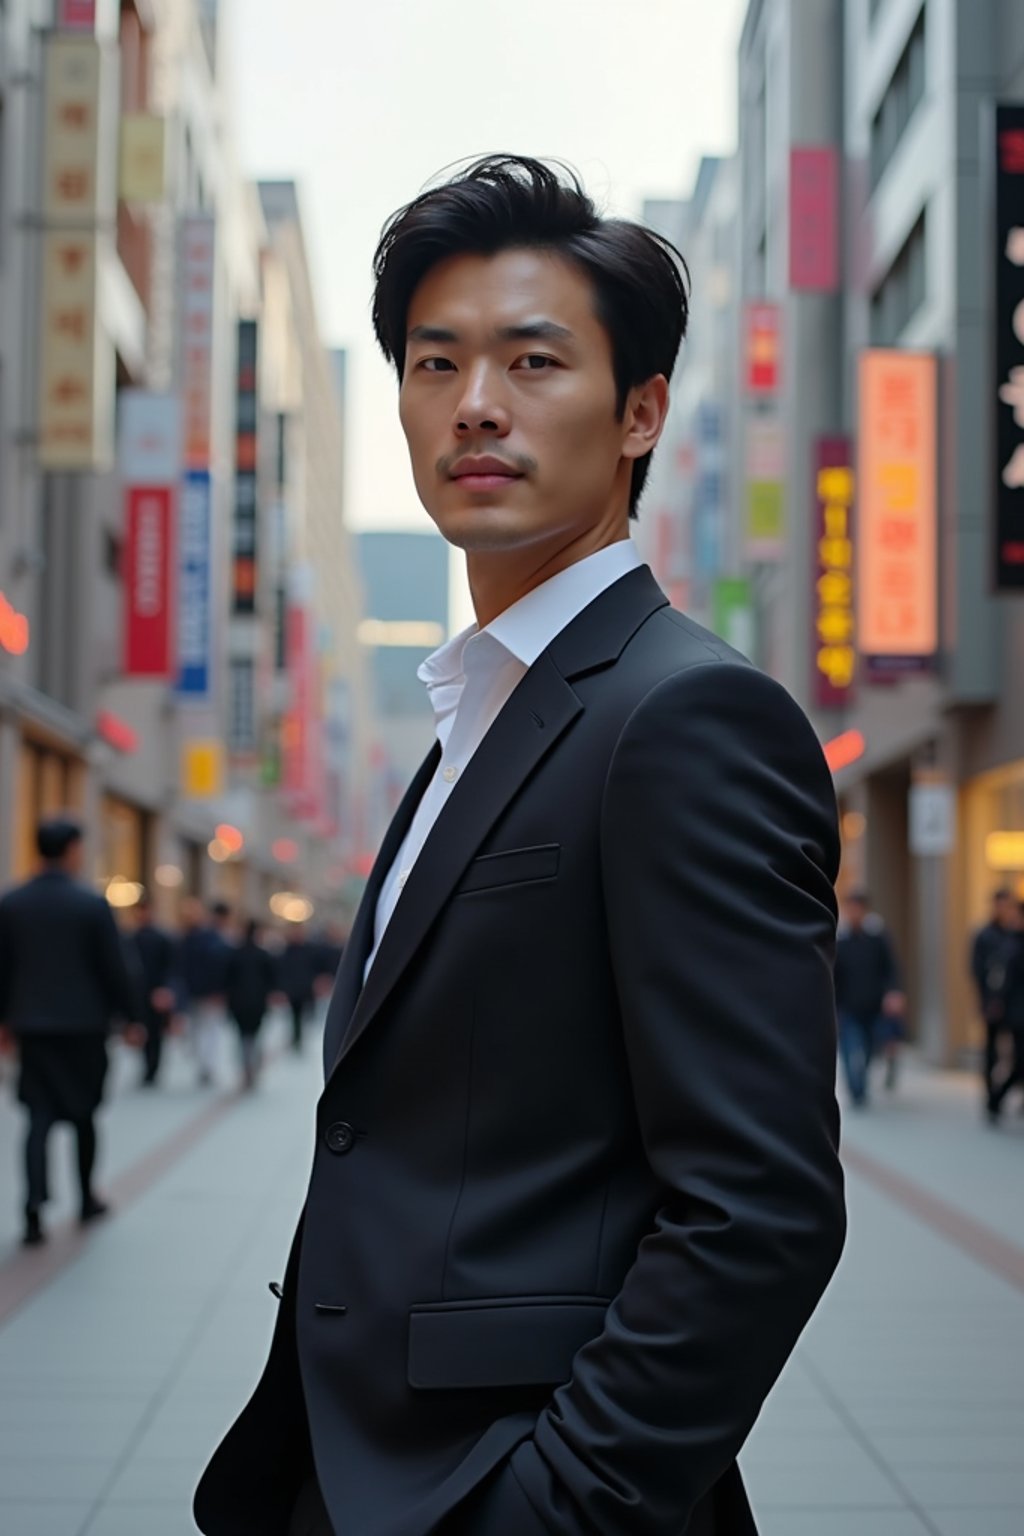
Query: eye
{"x": 535, "y": 362}
{"x": 436, "y": 365}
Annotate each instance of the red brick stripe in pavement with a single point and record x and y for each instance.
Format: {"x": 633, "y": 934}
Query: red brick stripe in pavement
{"x": 33, "y": 1268}
{"x": 973, "y": 1237}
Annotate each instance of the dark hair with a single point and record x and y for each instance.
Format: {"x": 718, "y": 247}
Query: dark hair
{"x": 1003, "y": 894}
{"x": 55, "y": 836}
{"x": 507, "y": 202}
{"x": 219, "y": 909}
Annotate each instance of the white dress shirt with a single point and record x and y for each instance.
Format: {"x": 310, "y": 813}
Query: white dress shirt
{"x": 472, "y": 677}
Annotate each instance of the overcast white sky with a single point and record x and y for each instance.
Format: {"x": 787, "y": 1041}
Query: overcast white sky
{"x": 364, "y": 101}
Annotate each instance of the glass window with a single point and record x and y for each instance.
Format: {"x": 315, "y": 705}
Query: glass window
{"x": 902, "y": 290}
{"x": 898, "y": 105}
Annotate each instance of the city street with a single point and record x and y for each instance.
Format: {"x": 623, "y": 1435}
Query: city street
{"x": 124, "y": 1353}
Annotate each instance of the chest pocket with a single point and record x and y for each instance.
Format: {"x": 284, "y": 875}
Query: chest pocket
{"x": 517, "y": 866}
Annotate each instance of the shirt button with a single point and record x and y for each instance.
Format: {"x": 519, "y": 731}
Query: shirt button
{"x": 449, "y": 775}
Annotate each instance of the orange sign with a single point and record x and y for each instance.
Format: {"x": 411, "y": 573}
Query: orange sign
{"x": 897, "y": 576}
{"x": 14, "y": 631}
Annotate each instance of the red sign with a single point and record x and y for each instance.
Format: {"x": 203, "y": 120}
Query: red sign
{"x": 117, "y": 733}
{"x": 832, "y": 642}
{"x": 149, "y": 592}
{"x": 762, "y": 349}
{"x": 813, "y": 220}
{"x": 76, "y": 15}
{"x": 14, "y": 629}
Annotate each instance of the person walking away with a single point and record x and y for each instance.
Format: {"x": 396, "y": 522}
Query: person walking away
{"x": 869, "y": 997}
{"x": 64, "y": 979}
{"x": 1008, "y": 1071}
{"x": 154, "y": 952}
{"x": 201, "y": 964}
{"x": 296, "y": 974}
{"x": 250, "y": 982}
{"x": 991, "y": 951}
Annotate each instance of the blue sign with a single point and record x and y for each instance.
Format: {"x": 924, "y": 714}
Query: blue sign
{"x": 194, "y": 585}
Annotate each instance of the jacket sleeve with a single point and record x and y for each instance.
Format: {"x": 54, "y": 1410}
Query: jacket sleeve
{"x": 719, "y": 850}
{"x": 892, "y": 976}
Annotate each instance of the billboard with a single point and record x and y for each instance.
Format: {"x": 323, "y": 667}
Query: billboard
{"x": 149, "y": 453}
{"x": 813, "y": 219}
{"x": 896, "y": 566}
{"x": 1008, "y": 531}
{"x": 832, "y": 641}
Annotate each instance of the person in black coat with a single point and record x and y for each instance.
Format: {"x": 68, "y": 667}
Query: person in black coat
{"x": 297, "y": 971}
{"x": 991, "y": 951}
{"x": 575, "y": 1188}
{"x": 201, "y": 972}
{"x": 869, "y": 996}
{"x": 155, "y": 954}
{"x": 250, "y": 982}
{"x": 1009, "y": 1073}
{"x": 64, "y": 977}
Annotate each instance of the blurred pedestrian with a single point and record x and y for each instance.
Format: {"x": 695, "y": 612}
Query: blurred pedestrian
{"x": 296, "y": 977}
{"x": 869, "y": 996}
{"x": 154, "y": 950}
{"x": 1008, "y": 1071}
{"x": 991, "y": 952}
{"x": 201, "y": 965}
{"x": 250, "y": 981}
{"x": 64, "y": 978}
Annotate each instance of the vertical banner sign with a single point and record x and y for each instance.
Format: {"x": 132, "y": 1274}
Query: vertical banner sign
{"x": 243, "y": 565}
{"x": 762, "y": 350}
{"x": 813, "y": 220}
{"x": 832, "y": 642}
{"x": 194, "y": 586}
{"x": 297, "y": 722}
{"x": 765, "y": 515}
{"x": 149, "y": 453}
{"x": 1009, "y": 349}
{"x": 74, "y": 430}
{"x": 734, "y": 613}
{"x": 897, "y": 577}
{"x": 195, "y": 542}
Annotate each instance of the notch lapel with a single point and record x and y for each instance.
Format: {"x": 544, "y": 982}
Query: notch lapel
{"x": 349, "y": 981}
{"x": 539, "y": 711}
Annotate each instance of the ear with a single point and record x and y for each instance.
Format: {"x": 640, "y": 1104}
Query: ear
{"x": 644, "y": 416}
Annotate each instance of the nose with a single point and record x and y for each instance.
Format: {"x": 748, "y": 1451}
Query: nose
{"x": 480, "y": 407}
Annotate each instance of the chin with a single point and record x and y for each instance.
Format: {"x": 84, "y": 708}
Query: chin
{"x": 482, "y": 527}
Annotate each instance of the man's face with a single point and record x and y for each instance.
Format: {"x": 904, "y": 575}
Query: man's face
{"x": 508, "y": 404}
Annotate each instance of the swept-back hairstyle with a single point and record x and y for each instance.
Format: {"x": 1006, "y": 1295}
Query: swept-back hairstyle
{"x": 509, "y": 202}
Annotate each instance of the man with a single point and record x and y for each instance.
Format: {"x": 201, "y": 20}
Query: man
{"x": 202, "y": 959}
{"x": 991, "y": 952}
{"x": 63, "y": 979}
{"x": 575, "y": 1189}
{"x": 296, "y": 975}
{"x": 869, "y": 996}
{"x": 154, "y": 949}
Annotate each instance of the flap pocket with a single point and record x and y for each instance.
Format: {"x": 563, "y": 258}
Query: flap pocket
{"x": 515, "y": 867}
{"x": 521, "y": 1342}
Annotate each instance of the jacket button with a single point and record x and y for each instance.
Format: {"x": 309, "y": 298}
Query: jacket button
{"x": 340, "y": 1137}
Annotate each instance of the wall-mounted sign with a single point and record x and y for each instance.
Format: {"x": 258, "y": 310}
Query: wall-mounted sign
{"x": 832, "y": 642}
{"x": 733, "y": 613}
{"x": 194, "y": 587}
{"x": 765, "y": 530}
{"x": 897, "y": 576}
{"x": 1009, "y": 350}
{"x": 149, "y": 454}
{"x": 196, "y": 335}
{"x": 202, "y": 769}
{"x": 76, "y": 15}
{"x": 141, "y": 176}
{"x": 14, "y": 628}
{"x": 762, "y": 349}
{"x": 245, "y": 529}
{"x": 813, "y": 219}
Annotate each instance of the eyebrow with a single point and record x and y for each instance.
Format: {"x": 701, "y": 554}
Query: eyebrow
{"x": 532, "y": 330}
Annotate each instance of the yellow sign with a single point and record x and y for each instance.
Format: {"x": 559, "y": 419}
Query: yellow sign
{"x": 835, "y": 658}
{"x": 69, "y": 426}
{"x": 202, "y": 769}
{"x": 71, "y": 130}
{"x": 141, "y": 177}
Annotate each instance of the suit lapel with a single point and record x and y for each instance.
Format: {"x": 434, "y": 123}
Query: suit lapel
{"x": 539, "y": 712}
{"x": 360, "y": 941}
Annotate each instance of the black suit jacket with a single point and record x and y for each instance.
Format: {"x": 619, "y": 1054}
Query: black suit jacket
{"x": 62, "y": 963}
{"x": 575, "y": 1190}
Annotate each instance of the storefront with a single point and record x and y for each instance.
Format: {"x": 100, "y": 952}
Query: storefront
{"x": 49, "y": 780}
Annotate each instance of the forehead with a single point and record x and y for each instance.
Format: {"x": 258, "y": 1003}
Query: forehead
{"x": 470, "y": 291}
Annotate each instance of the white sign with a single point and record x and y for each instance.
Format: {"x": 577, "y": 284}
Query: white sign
{"x": 932, "y": 819}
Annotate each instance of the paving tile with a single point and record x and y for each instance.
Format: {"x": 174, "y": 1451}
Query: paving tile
{"x": 978, "y": 1522}
{"x": 142, "y": 1519}
{"x": 838, "y": 1484}
{"x": 55, "y": 1478}
{"x": 967, "y": 1488}
{"x": 49, "y": 1518}
{"x": 163, "y": 1481}
{"x": 842, "y": 1522}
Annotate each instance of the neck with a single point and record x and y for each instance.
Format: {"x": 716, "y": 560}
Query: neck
{"x": 500, "y": 578}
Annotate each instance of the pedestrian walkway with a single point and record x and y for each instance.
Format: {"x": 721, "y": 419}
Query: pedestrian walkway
{"x": 902, "y": 1412}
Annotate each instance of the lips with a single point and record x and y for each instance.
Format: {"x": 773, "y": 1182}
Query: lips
{"x": 484, "y": 474}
